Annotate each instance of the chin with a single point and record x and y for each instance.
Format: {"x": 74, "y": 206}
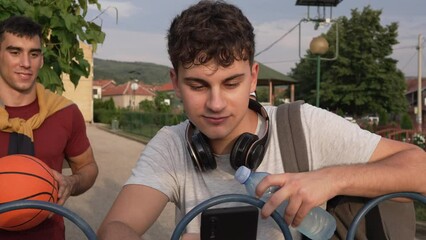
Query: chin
{"x": 215, "y": 134}
{"x": 24, "y": 87}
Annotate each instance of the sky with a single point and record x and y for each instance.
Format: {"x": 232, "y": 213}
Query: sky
{"x": 136, "y": 29}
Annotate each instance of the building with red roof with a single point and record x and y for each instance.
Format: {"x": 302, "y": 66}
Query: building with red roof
{"x": 125, "y": 95}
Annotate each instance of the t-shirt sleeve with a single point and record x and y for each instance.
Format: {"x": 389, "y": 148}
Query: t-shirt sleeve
{"x": 162, "y": 164}
{"x": 333, "y": 140}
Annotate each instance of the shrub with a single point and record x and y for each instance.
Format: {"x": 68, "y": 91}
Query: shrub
{"x": 383, "y": 118}
{"x": 406, "y": 122}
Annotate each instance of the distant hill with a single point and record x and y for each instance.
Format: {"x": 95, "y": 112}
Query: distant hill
{"x": 121, "y": 72}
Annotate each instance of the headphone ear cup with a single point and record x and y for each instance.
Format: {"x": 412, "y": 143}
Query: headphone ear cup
{"x": 240, "y": 150}
{"x": 203, "y": 152}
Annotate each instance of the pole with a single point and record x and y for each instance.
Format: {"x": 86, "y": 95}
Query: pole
{"x": 133, "y": 100}
{"x": 419, "y": 89}
{"x": 318, "y": 78}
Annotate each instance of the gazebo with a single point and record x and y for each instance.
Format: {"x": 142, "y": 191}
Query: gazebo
{"x": 271, "y": 78}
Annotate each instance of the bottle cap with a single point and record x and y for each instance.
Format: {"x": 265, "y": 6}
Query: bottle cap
{"x": 242, "y": 174}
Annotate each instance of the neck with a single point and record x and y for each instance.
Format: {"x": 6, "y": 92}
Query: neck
{"x": 13, "y": 98}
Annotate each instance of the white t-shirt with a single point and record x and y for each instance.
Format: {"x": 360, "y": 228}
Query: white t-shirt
{"x": 166, "y": 165}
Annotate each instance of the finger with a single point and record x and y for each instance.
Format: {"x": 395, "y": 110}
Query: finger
{"x": 304, "y": 206}
{"x": 65, "y": 194}
{"x": 301, "y": 214}
{"x": 62, "y": 186}
{"x": 61, "y": 191}
{"x": 268, "y": 181}
{"x": 274, "y": 202}
{"x": 292, "y": 209}
{"x": 56, "y": 175}
{"x": 61, "y": 201}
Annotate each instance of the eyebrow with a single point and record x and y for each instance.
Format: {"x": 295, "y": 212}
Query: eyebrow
{"x": 202, "y": 80}
{"x": 11, "y": 48}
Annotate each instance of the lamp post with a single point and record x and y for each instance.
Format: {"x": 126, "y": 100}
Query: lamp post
{"x": 419, "y": 86}
{"x": 134, "y": 86}
{"x": 318, "y": 46}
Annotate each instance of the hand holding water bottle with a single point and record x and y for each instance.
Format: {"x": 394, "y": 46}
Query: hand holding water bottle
{"x": 318, "y": 224}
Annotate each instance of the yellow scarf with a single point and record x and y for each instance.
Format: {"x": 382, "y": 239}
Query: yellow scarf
{"x": 48, "y": 102}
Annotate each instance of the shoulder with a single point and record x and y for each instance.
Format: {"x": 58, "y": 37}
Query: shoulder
{"x": 173, "y": 132}
{"x": 71, "y": 109}
{"x": 271, "y": 110}
{"x": 69, "y": 115}
{"x": 314, "y": 114}
{"x": 169, "y": 138}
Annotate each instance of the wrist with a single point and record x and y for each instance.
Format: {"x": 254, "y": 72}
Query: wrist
{"x": 338, "y": 181}
{"x": 75, "y": 184}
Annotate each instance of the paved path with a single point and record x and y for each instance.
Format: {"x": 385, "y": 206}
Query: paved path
{"x": 115, "y": 156}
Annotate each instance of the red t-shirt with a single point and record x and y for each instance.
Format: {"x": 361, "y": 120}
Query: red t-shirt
{"x": 61, "y": 135}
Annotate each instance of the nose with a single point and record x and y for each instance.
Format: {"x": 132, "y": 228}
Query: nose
{"x": 25, "y": 61}
{"x": 216, "y": 101}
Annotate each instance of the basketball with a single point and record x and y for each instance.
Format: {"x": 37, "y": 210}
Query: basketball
{"x": 24, "y": 177}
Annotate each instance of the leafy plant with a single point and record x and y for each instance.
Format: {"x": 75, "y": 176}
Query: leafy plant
{"x": 64, "y": 29}
{"x": 419, "y": 140}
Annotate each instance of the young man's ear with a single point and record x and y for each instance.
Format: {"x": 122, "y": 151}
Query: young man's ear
{"x": 254, "y": 75}
{"x": 174, "y": 78}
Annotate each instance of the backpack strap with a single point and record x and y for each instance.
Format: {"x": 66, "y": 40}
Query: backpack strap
{"x": 291, "y": 139}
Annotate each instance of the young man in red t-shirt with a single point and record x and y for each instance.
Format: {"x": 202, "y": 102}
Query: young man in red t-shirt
{"x": 50, "y": 127}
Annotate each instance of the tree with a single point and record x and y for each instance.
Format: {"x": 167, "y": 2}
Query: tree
{"x": 147, "y": 106}
{"x": 64, "y": 28}
{"x": 159, "y": 105}
{"x": 160, "y": 102}
{"x": 363, "y": 79}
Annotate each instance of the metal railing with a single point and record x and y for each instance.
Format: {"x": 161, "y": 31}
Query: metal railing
{"x": 58, "y": 209}
{"x": 277, "y": 217}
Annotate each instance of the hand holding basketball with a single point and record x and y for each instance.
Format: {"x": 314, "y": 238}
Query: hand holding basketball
{"x": 24, "y": 177}
{"x": 65, "y": 185}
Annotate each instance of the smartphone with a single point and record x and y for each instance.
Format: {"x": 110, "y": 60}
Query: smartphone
{"x": 231, "y": 223}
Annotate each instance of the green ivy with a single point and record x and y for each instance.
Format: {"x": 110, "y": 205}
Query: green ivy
{"x": 64, "y": 27}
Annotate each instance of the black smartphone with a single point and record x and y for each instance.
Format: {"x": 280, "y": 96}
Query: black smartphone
{"x": 231, "y": 223}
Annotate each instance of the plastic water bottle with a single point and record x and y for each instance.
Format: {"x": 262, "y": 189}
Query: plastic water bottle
{"x": 317, "y": 225}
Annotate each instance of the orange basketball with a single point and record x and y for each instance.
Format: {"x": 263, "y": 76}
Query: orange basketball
{"x": 24, "y": 177}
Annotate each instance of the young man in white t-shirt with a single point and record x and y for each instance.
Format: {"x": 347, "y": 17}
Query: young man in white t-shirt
{"x": 211, "y": 47}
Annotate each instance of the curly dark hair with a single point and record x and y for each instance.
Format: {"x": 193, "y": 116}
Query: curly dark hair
{"x": 20, "y": 26}
{"x": 210, "y": 30}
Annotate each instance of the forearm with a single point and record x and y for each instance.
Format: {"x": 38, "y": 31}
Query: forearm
{"x": 84, "y": 178}
{"x": 402, "y": 171}
{"x": 117, "y": 230}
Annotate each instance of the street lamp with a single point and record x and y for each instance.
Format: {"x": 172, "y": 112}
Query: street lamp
{"x": 134, "y": 86}
{"x": 318, "y": 46}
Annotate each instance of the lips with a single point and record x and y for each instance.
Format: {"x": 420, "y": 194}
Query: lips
{"x": 215, "y": 120}
{"x": 24, "y": 76}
